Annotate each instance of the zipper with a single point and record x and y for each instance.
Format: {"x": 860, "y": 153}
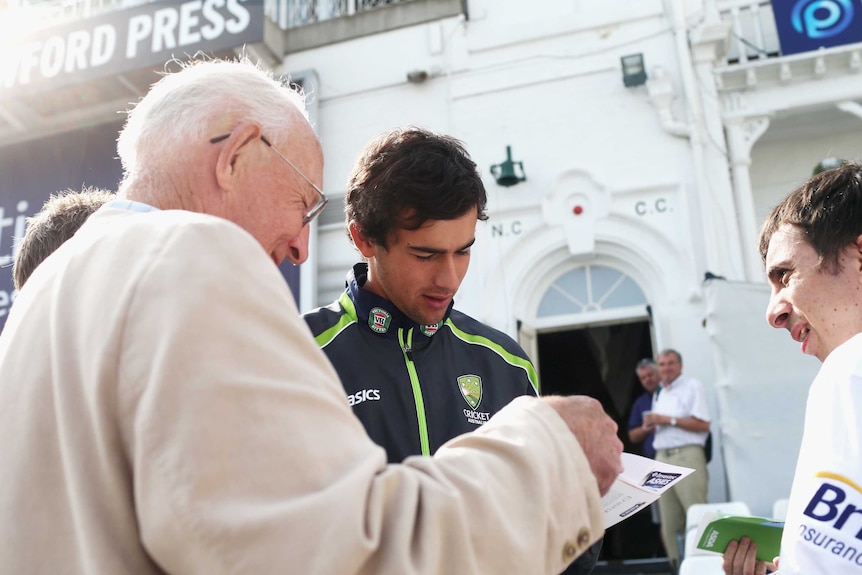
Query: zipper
{"x": 407, "y": 349}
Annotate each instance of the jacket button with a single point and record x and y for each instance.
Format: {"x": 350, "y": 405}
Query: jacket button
{"x": 569, "y": 552}
{"x": 583, "y": 537}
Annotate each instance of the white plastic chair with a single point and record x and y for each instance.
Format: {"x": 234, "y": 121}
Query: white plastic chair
{"x": 696, "y": 511}
{"x": 701, "y": 565}
{"x": 779, "y": 509}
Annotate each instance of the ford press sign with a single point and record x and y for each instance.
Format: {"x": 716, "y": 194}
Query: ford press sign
{"x": 131, "y": 39}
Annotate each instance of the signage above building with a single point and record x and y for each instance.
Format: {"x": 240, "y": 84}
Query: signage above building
{"x": 126, "y": 40}
{"x": 805, "y": 25}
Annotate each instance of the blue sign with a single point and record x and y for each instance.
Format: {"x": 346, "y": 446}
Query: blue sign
{"x": 806, "y": 25}
{"x": 30, "y": 172}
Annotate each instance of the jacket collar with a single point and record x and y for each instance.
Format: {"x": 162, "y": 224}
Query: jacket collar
{"x": 380, "y": 315}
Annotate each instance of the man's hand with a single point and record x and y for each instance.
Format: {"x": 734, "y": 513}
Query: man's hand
{"x": 652, "y": 419}
{"x": 597, "y": 434}
{"x": 740, "y": 559}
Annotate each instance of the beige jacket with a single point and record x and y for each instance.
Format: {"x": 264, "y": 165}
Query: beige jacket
{"x": 164, "y": 409}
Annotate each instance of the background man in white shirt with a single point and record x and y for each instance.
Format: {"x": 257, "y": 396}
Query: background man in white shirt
{"x": 681, "y": 415}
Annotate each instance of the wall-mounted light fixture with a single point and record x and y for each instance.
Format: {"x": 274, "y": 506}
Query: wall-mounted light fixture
{"x": 417, "y": 76}
{"x": 420, "y": 75}
{"x": 504, "y": 173}
{"x": 634, "y": 70}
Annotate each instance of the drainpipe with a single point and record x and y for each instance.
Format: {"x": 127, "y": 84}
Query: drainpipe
{"x": 717, "y": 218}
{"x": 662, "y": 95}
{"x": 709, "y": 255}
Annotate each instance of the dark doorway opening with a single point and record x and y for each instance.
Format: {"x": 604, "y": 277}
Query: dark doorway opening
{"x": 599, "y": 361}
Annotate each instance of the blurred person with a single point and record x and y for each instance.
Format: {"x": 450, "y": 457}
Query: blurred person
{"x": 418, "y": 372}
{"x": 639, "y": 431}
{"x": 57, "y": 221}
{"x": 811, "y": 246}
{"x": 643, "y": 435}
{"x": 165, "y": 409}
{"x": 681, "y": 419}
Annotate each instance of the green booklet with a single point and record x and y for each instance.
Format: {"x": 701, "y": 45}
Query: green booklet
{"x": 716, "y": 530}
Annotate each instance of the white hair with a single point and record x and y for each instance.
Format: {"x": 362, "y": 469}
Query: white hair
{"x": 183, "y": 107}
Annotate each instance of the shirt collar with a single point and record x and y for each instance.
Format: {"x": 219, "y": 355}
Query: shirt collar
{"x": 131, "y": 206}
{"x": 662, "y": 385}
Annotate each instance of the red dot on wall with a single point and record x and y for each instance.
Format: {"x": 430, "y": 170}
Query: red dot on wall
{"x": 578, "y": 210}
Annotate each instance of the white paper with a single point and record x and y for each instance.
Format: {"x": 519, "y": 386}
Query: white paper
{"x": 642, "y": 481}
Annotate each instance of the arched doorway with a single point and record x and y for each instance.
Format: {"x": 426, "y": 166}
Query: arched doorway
{"x": 592, "y": 325}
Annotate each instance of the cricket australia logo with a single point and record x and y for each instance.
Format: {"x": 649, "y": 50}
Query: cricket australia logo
{"x": 379, "y": 320}
{"x": 471, "y": 389}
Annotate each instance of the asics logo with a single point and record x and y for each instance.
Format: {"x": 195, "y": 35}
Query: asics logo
{"x": 363, "y": 396}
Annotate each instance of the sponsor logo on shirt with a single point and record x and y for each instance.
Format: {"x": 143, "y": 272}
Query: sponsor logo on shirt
{"x": 363, "y": 395}
{"x": 834, "y": 519}
{"x": 471, "y": 389}
{"x": 430, "y": 330}
{"x": 379, "y": 320}
{"x": 477, "y": 417}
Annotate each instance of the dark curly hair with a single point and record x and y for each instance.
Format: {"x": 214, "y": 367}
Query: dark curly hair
{"x": 408, "y": 176}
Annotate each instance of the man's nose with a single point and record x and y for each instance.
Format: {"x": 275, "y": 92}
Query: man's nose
{"x": 778, "y": 311}
{"x": 447, "y": 275}
{"x": 298, "y": 247}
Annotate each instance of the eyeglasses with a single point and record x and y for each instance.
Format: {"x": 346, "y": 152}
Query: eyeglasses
{"x": 322, "y": 200}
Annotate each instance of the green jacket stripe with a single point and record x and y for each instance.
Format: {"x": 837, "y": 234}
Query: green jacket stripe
{"x": 417, "y": 391}
{"x": 345, "y": 320}
{"x": 509, "y": 358}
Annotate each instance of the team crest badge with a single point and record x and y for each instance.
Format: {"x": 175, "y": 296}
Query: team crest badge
{"x": 471, "y": 389}
{"x": 379, "y": 320}
{"x": 430, "y": 330}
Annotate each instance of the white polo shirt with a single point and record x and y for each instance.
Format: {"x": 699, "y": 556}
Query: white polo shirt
{"x": 684, "y": 397}
{"x": 823, "y": 529}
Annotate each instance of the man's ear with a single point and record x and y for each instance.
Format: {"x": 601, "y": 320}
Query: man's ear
{"x": 235, "y": 151}
{"x": 365, "y": 246}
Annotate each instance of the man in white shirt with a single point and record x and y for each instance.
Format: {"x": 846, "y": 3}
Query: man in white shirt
{"x": 681, "y": 415}
{"x": 811, "y": 245}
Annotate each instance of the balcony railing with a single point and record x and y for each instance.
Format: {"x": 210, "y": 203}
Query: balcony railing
{"x": 293, "y": 13}
{"x": 753, "y": 35}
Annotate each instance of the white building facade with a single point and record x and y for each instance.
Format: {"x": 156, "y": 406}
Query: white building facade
{"x": 633, "y": 195}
